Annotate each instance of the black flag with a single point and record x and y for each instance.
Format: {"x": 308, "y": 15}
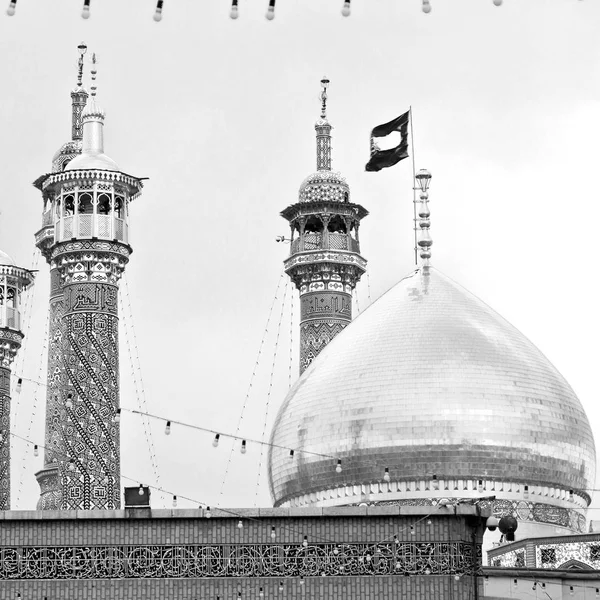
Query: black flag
{"x": 380, "y": 159}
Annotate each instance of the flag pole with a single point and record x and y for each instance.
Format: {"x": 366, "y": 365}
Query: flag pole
{"x": 412, "y": 142}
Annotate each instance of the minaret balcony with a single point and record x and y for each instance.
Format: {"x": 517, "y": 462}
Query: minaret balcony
{"x": 9, "y": 318}
{"x": 325, "y": 241}
{"x": 91, "y": 226}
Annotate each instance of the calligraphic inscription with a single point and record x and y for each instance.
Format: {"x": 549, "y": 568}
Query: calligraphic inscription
{"x": 238, "y": 560}
{"x": 319, "y": 305}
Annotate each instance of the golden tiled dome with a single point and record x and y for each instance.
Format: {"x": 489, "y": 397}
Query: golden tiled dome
{"x": 429, "y": 381}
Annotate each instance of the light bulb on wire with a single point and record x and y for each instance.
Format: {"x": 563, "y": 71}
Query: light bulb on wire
{"x": 168, "y": 428}
{"x": 141, "y": 490}
{"x": 233, "y": 13}
{"x": 19, "y": 381}
{"x": 426, "y": 7}
{"x": 346, "y": 9}
{"x": 85, "y": 12}
{"x": 215, "y": 442}
{"x": 338, "y": 468}
{"x": 118, "y": 416}
{"x": 243, "y": 448}
{"x": 158, "y": 12}
{"x": 174, "y": 501}
{"x": 497, "y": 2}
{"x": 207, "y": 514}
{"x": 386, "y": 474}
{"x": 69, "y": 402}
{"x": 36, "y": 450}
{"x": 271, "y": 11}
{"x": 10, "y": 11}
{"x": 273, "y": 533}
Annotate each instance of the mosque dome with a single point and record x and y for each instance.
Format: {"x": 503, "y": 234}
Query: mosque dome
{"x": 429, "y": 381}
{"x": 6, "y": 260}
{"x": 329, "y": 186}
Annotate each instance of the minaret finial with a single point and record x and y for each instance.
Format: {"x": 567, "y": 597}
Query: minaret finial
{"x": 82, "y": 50}
{"x": 323, "y": 129}
{"x": 324, "y": 84}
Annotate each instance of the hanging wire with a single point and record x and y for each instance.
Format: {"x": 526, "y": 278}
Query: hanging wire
{"x": 256, "y": 363}
{"x": 269, "y": 391}
{"x": 369, "y": 289}
{"x": 137, "y": 376}
{"x": 243, "y": 517}
{"x": 355, "y": 294}
{"x": 36, "y": 392}
{"x": 25, "y": 318}
{"x": 291, "y": 340}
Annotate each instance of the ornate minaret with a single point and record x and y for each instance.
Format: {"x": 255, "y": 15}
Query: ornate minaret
{"x": 84, "y": 238}
{"x": 325, "y": 262}
{"x": 13, "y": 280}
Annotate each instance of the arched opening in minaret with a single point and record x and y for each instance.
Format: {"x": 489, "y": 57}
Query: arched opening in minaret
{"x": 69, "y": 205}
{"x": 313, "y": 225}
{"x": 104, "y": 204}
{"x": 119, "y": 203}
{"x": 337, "y": 225}
{"x": 85, "y": 206}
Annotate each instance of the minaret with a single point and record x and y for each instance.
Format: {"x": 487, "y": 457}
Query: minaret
{"x": 13, "y": 280}
{"x": 325, "y": 262}
{"x": 85, "y": 239}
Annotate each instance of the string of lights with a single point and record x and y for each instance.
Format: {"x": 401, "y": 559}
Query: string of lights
{"x": 29, "y": 294}
{"x": 248, "y": 391}
{"x": 293, "y": 451}
{"x": 393, "y": 537}
{"x": 233, "y": 13}
{"x": 136, "y": 374}
{"x": 33, "y": 412}
{"x": 270, "y": 390}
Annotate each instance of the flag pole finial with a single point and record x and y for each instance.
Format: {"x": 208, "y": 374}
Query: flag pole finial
{"x": 423, "y": 178}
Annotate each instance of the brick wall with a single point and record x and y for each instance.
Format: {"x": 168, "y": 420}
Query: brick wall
{"x": 180, "y": 554}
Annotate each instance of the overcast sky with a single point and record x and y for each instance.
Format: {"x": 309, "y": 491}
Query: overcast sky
{"x": 219, "y": 114}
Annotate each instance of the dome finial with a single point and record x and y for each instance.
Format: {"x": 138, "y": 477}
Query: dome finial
{"x": 423, "y": 178}
{"x": 323, "y": 129}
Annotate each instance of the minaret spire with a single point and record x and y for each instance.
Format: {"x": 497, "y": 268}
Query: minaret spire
{"x": 323, "y": 129}
{"x": 78, "y": 97}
